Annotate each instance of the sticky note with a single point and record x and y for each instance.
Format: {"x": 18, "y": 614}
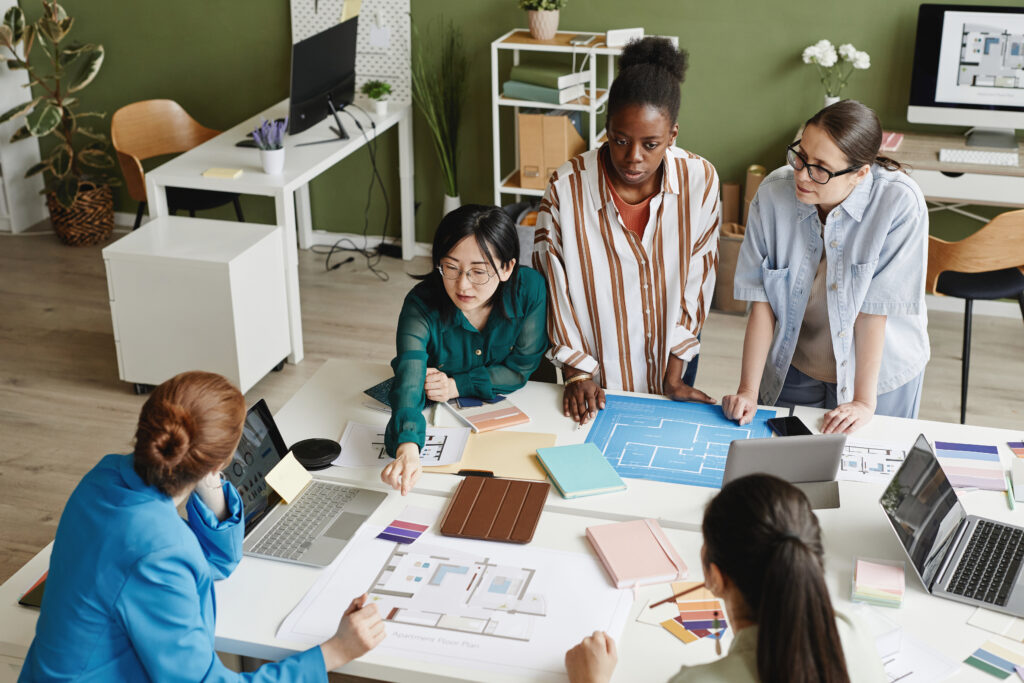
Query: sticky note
{"x": 884, "y": 577}
{"x": 288, "y": 478}
{"x": 227, "y": 173}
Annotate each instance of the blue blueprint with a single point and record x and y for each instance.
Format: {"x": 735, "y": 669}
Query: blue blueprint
{"x": 681, "y": 443}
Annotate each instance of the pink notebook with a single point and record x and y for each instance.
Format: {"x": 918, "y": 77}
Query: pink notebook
{"x": 636, "y": 553}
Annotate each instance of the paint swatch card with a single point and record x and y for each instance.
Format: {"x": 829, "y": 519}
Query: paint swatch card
{"x": 1017, "y": 447}
{"x": 971, "y": 465}
{"x": 409, "y": 525}
{"x": 701, "y": 614}
{"x": 995, "y": 660}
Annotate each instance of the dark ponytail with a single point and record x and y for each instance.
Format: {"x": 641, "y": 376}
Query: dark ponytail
{"x": 761, "y": 533}
{"x": 857, "y": 132}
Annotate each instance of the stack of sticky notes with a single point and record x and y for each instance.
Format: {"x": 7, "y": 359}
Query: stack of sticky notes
{"x": 878, "y": 582}
{"x": 580, "y": 470}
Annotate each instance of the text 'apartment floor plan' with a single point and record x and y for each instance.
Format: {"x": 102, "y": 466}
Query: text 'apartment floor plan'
{"x": 681, "y": 443}
{"x": 438, "y": 589}
{"x": 991, "y": 57}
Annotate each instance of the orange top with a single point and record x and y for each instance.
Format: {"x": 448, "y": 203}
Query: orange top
{"x": 634, "y": 216}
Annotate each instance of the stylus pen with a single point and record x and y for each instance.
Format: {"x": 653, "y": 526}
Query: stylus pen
{"x": 677, "y": 595}
{"x": 1009, "y": 491}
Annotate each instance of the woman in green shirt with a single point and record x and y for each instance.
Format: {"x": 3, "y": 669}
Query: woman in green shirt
{"x": 474, "y": 327}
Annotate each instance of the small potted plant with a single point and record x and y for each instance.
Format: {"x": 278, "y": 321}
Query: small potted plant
{"x": 269, "y": 137}
{"x": 378, "y": 91}
{"x": 543, "y": 17}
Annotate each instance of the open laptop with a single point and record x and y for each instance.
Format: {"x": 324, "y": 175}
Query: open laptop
{"x": 957, "y": 556}
{"x": 314, "y": 527}
{"x": 808, "y": 462}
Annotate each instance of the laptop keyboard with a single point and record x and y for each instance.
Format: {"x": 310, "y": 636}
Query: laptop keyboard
{"x": 305, "y": 520}
{"x": 988, "y": 567}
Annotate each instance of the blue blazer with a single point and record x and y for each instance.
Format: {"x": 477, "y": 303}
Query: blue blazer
{"x": 129, "y": 596}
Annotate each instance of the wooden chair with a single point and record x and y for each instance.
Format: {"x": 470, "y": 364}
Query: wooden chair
{"x": 986, "y": 265}
{"x": 152, "y": 128}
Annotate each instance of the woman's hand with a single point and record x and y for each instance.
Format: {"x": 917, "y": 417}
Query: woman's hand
{"x": 582, "y": 399}
{"x": 402, "y": 474}
{"x": 439, "y": 386}
{"x": 210, "y": 490}
{"x": 741, "y": 406}
{"x": 360, "y": 630}
{"x": 593, "y": 660}
{"x": 847, "y": 418}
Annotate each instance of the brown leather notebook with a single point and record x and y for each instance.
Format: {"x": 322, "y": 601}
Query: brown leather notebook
{"x": 495, "y": 509}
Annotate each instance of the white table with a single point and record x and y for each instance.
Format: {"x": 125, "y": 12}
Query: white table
{"x": 290, "y": 190}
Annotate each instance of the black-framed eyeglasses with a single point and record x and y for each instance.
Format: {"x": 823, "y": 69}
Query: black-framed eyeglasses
{"x": 818, "y": 174}
{"x": 477, "y": 275}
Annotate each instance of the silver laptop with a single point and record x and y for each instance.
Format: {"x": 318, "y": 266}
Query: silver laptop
{"x": 808, "y": 462}
{"x": 314, "y": 527}
{"x": 957, "y": 556}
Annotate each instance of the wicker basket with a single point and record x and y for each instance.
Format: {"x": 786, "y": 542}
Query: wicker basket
{"x": 90, "y": 220}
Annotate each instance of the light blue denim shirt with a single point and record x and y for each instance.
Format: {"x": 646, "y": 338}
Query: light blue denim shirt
{"x": 876, "y": 248}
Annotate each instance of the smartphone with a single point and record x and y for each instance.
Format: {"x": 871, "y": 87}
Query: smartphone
{"x": 788, "y": 426}
{"x": 582, "y": 39}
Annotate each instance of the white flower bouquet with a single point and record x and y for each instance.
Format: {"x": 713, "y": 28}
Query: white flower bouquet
{"x": 834, "y": 66}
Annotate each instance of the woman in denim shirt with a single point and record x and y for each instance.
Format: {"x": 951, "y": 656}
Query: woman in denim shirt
{"x": 834, "y": 260}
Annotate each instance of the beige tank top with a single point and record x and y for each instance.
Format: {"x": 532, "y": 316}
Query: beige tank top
{"x": 814, "y": 355}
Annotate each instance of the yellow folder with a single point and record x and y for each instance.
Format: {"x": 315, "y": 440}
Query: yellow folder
{"x": 503, "y": 454}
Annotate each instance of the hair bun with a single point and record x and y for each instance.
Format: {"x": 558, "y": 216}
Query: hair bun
{"x": 170, "y": 436}
{"x": 658, "y": 52}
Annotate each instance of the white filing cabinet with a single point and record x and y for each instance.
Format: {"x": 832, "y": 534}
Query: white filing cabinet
{"x": 198, "y": 294}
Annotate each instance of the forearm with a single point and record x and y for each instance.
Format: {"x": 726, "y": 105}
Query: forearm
{"x": 211, "y": 492}
{"x": 868, "y": 341}
{"x": 756, "y": 342}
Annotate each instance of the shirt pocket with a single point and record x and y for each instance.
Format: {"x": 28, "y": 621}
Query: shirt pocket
{"x": 776, "y": 287}
{"x": 861, "y": 275}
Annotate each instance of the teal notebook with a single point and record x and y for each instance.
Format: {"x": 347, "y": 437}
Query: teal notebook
{"x": 580, "y": 470}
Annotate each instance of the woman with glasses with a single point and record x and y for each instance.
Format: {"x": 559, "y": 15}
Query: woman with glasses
{"x": 473, "y": 327}
{"x": 834, "y": 260}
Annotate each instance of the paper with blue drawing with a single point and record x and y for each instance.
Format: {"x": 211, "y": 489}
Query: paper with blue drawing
{"x": 663, "y": 440}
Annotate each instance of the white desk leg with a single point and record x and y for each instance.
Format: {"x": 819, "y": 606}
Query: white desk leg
{"x": 405, "y": 180}
{"x": 284, "y": 203}
{"x": 156, "y": 198}
{"x": 304, "y": 214}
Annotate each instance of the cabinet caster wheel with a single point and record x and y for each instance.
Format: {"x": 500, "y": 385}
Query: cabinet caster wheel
{"x": 279, "y": 367}
{"x": 142, "y": 389}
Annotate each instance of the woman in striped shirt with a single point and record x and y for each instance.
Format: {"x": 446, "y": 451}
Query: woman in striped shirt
{"x": 627, "y": 238}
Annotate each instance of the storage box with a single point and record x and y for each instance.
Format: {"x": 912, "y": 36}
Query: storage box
{"x": 546, "y": 141}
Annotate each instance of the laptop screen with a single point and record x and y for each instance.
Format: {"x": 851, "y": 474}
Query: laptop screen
{"x": 923, "y": 510}
{"x": 259, "y": 449}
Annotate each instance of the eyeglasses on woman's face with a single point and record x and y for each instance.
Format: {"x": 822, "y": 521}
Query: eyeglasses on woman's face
{"x": 818, "y": 174}
{"x": 477, "y": 275}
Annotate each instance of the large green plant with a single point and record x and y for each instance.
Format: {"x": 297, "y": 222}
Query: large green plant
{"x": 439, "y": 91}
{"x": 79, "y": 154}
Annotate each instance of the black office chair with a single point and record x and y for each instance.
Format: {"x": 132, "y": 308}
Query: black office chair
{"x": 985, "y": 265}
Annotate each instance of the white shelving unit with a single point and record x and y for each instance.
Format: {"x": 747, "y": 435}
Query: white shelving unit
{"x": 519, "y": 41}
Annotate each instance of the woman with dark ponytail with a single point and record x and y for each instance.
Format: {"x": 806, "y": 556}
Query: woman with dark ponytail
{"x": 627, "y": 238}
{"x": 129, "y": 594}
{"x": 763, "y": 556}
{"x": 834, "y": 261}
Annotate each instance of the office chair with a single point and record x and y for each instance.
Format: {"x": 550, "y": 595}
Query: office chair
{"x": 151, "y": 128}
{"x": 985, "y": 265}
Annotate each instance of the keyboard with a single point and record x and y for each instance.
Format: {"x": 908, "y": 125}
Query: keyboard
{"x": 979, "y": 156}
{"x": 988, "y": 568}
{"x": 305, "y": 520}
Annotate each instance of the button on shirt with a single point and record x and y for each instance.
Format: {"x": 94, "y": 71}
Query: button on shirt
{"x": 496, "y": 360}
{"x": 877, "y": 248}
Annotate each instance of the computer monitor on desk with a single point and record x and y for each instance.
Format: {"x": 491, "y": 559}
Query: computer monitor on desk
{"x": 323, "y": 76}
{"x": 969, "y": 70}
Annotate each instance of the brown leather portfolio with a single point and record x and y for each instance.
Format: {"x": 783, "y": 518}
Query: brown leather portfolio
{"x": 495, "y": 509}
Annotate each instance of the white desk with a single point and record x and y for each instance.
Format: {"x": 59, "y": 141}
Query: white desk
{"x": 290, "y": 190}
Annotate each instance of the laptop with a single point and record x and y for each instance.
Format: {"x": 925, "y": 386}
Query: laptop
{"x": 808, "y": 462}
{"x": 310, "y": 530}
{"x": 957, "y": 556}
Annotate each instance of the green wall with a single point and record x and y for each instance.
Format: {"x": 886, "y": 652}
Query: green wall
{"x": 745, "y": 93}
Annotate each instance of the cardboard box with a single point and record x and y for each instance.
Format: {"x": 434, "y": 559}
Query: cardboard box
{"x": 546, "y": 141}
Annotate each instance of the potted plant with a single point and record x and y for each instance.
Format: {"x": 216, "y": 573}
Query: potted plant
{"x": 543, "y": 17}
{"x": 78, "y": 179}
{"x": 834, "y": 68}
{"x": 378, "y": 91}
{"x": 269, "y": 137}
{"x": 439, "y": 91}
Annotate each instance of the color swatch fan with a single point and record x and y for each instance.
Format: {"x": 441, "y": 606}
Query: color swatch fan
{"x": 701, "y": 614}
{"x": 971, "y": 465}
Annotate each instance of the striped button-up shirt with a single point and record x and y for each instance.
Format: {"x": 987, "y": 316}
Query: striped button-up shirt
{"x": 619, "y": 305}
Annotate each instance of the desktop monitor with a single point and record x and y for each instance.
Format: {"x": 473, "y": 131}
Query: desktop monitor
{"x": 969, "y": 71}
{"x": 323, "y": 75}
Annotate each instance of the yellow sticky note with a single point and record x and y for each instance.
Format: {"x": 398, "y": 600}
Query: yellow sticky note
{"x": 228, "y": 173}
{"x": 288, "y": 478}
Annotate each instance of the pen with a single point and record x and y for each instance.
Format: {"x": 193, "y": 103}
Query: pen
{"x": 677, "y": 595}
{"x": 1009, "y": 491}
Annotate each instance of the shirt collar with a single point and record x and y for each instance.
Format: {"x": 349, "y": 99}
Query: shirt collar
{"x": 133, "y": 480}
{"x": 743, "y": 640}
{"x": 854, "y": 205}
{"x": 601, "y": 193}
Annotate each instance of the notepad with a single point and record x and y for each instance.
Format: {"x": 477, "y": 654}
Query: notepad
{"x": 580, "y": 470}
{"x": 225, "y": 173}
{"x": 636, "y": 553}
{"x": 487, "y": 416}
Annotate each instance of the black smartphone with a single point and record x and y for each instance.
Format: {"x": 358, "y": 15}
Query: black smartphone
{"x": 788, "y": 426}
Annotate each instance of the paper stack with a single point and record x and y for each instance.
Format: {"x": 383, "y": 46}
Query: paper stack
{"x": 878, "y": 582}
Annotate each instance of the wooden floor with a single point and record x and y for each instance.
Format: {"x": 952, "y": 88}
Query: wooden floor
{"x": 62, "y": 406}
